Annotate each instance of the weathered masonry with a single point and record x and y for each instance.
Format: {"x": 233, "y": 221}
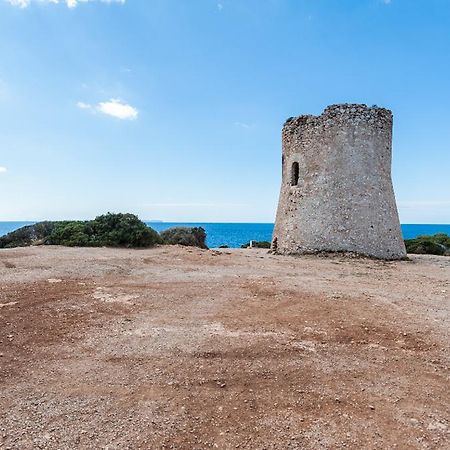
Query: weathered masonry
{"x": 336, "y": 193}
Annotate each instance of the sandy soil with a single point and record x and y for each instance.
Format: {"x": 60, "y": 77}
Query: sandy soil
{"x": 181, "y": 348}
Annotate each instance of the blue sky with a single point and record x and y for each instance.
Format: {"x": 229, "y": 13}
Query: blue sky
{"x": 173, "y": 109}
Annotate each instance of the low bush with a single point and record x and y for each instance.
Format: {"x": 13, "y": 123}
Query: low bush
{"x": 109, "y": 230}
{"x": 71, "y": 234}
{"x": 123, "y": 230}
{"x": 29, "y": 235}
{"x": 437, "y": 244}
{"x": 191, "y": 237}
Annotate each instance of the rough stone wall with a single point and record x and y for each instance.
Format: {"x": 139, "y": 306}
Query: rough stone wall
{"x": 344, "y": 200}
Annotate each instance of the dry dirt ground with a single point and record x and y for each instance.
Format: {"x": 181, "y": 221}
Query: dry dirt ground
{"x": 178, "y": 348}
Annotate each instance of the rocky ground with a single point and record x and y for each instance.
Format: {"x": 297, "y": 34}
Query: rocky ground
{"x": 182, "y": 348}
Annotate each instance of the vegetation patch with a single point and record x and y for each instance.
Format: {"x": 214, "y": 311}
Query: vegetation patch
{"x": 191, "y": 237}
{"x": 29, "y": 235}
{"x": 108, "y": 230}
{"x": 437, "y": 244}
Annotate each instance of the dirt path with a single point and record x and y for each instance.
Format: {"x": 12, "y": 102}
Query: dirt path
{"x": 188, "y": 349}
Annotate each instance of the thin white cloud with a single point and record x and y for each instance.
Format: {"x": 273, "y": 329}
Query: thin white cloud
{"x": 3, "y": 169}
{"x": 69, "y": 3}
{"x": 386, "y": 2}
{"x": 114, "y": 108}
{"x": 118, "y": 109}
{"x": 219, "y": 6}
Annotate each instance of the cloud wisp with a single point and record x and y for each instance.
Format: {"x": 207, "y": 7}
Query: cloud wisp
{"x": 113, "y": 107}
{"x": 3, "y": 169}
{"x": 69, "y": 3}
{"x": 83, "y": 105}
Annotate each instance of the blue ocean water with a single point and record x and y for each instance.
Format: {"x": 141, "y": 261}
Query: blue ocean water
{"x": 236, "y": 234}
{"x": 231, "y": 234}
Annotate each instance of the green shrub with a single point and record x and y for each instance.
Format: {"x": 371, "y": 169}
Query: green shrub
{"x": 257, "y": 244}
{"x": 72, "y": 234}
{"x": 29, "y": 235}
{"x": 437, "y": 244}
{"x": 109, "y": 230}
{"x": 123, "y": 230}
{"x": 191, "y": 237}
{"x": 442, "y": 238}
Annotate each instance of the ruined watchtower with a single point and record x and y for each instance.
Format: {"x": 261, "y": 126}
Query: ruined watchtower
{"x": 336, "y": 192}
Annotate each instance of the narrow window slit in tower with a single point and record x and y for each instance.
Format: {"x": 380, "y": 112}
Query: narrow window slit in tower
{"x": 294, "y": 174}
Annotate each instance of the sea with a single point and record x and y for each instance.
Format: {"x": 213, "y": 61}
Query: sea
{"x": 235, "y": 234}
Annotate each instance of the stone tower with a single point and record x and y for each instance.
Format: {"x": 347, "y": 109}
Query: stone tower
{"x": 336, "y": 192}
